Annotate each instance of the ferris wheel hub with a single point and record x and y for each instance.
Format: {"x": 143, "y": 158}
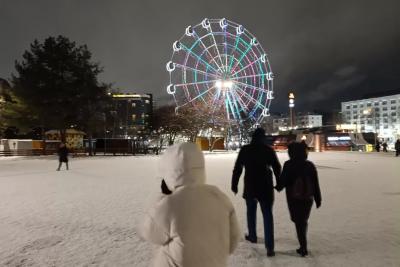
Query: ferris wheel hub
{"x": 224, "y": 84}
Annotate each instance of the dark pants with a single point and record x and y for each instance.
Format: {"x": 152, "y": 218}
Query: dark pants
{"x": 301, "y": 230}
{"x": 266, "y": 209}
{"x": 59, "y": 165}
{"x": 397, "y": 152}
{"x": 299, "y": 213}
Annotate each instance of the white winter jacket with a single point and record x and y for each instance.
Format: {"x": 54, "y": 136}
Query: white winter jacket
{"x": 196, "y": 225}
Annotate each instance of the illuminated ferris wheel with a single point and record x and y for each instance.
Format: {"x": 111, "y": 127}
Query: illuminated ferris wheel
{"x": 220, "y": 65}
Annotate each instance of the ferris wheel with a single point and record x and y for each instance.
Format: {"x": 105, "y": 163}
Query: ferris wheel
{"x": 220, "y": 65}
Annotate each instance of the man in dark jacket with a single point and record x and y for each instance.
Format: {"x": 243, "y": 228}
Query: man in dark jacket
{"x": 257, "y": 159}
{"x": 62, "y": 155}
{"x": 397, "y": 147}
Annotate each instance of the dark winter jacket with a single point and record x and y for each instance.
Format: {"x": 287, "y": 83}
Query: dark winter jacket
{"x": 257, "y": 159}
{"x": 292, "y": 169}
{"x": 63, "y": 154}
{"x": 397, "y": 145}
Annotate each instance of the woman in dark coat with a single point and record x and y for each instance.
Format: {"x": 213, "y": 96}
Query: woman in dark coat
{"x": 300, "y": 178}
{"x": 62, "y": 155}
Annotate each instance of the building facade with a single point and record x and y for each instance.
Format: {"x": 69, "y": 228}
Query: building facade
{"x": 380, "y": 115}
{"x": 302, "y": 120}
{"x": 132, "y": 115}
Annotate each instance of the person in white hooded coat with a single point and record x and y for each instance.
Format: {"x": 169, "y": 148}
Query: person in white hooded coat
{"x": 196, "y": 225}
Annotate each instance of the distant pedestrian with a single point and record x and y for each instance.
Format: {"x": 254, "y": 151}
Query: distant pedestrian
{"x": 62, "y": 155}
{"x": 257, "y": 158}
{"x": 397, "y": 147}
{"x": 300, "y": 178}
{"x": 384, "y": 147}
{"x": 378, "y": 146}
{"x": 193, "y": 223}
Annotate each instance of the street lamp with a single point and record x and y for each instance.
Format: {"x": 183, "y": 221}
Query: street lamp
{"x": 291, "y": 106}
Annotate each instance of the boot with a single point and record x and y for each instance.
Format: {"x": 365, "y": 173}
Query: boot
{"x": 250, "y": 239}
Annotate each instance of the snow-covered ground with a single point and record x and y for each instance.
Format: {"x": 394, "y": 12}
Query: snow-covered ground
{"x": 87, "y": 216}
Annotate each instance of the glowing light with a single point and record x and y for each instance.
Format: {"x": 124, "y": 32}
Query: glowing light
{"x": 239, "y": 30}
{"x": 170, "y": 66}
{"x": 291, "y": 95}
{"x": 189, "y": 31}
{"x": 171, "y": 89}
{"x": 205, "y": 23}
{"x": 223, "y": 23}
{"x": 263, "y": 57}
{"x": 339, "y": 138}
{"x": 265, "y": 112}
{"x": 270, "y": 76}
{"x": 125, "y": 95}
{"x": 177, "y": 46}
{"x": 224, "y": 84}
{"x": 254, "y": 41}
{"x": 367, "y": 111}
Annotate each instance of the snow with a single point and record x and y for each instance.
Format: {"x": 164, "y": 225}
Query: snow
{"x": 87, "y": 216}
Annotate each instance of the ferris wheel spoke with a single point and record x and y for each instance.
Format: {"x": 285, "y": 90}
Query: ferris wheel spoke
{"x": 242, "y": 56}
{"x": 245, "y": 67}
{"x": 197, "y": 70}
{"x": 250, "y": 97}
{"x": 237, "y": 38}
{"x": 237, "y": 102}
{"x": 195, "y": 83}
{"x": 240, "y": 101}
{"x": 200, "y": 95}
{"x": 251, "y": 86}
{"x": 216, "y": 46}
{"x": 231, "y": 106}
{"x": 248, "y": 76}
{"x": 215, "y": 99}
{"x": 193, "y": 54}
{"x": 225, "y": 49}
{"x": 206, "y": 49}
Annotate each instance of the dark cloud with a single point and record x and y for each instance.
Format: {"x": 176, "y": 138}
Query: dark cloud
{"x": 325, "y": 51}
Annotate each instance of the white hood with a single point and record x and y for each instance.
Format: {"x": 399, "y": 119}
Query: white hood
{"x": 182, "y": 164}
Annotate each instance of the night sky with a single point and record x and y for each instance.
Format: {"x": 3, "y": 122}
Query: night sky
{"x": 325, "y": 51}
